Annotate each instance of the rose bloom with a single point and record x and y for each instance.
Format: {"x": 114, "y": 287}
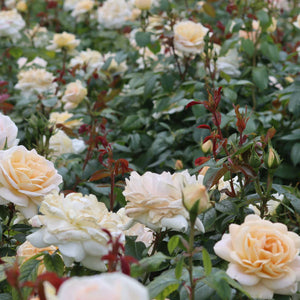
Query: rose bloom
{"x": 115, "y": 67}
{"x": 35, "y": 81}
{"x": 155, "y": 200}
{"x": 26, "y": 251}
{"x": 82, "y": 7}
{"x": 60, "y": 143}
{"x": 37, "y": 61}
{"x": 263, "y": 257}
{"x": 38, "y": 35}
{"x": 112, "y": 286}
{"x": 74, "y": 94}
{"x": 189, "y": 36}
{"x": 8, "y": 132}
{"x": 25, "y": 178}
{"x": 65, "y": 41}
{"x": 114, "y": 13}
{"x": 64, "y": 119}
{"x": 297, "y": 22}
{"x": 22, "y": 6}
{"x": 74, "y": 224}
{"x": 70, "y": 4}
{"x": 89, "y": 60}
{"x": 10, "y": 24}
{"x": 143, "y": 4}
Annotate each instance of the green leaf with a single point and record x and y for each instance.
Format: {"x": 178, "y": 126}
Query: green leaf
{"x": 163, "y": 285}
{"x": 28, "y": 272}
{"x": 50, "y": 102}
{"x": 143, "y": 38}
{"x": 167, "y": 82}
{"x": 294, "y": 104}
{"x": 270, "y": 51}
{"x": 149, "y": 264}
{"x": 54, "y": 263}
{"x": 230, "y": 94}
{"x": 263, "y": 18}
{"x": 5, "y": 296}
{"x": 133, "y": 248}
{"x": 260, "y": 77}
{"x": 179, "y": 267}
{"x": 149, "y": 86}
{"x": 16, "y": 52}
{"x": 248, "y": 46}
{"x": 209, "y": 9}
{"x": 173, "y": 243}
{"x": 206, "y": 262}
{"x": 208, "y": 218}
{"x": 295, "y": 154}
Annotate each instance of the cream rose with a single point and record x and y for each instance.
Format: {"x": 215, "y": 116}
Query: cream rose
{"x": 74, "y": 224}
{"x": 35, "y": 81}
{"x": 25, "y": 178}
{"x": 155, "y": 200}
{"x": 64, "y": 119}
{"x": 11, "y": 23}
{"x": 70, "y": 4}
{"x": 143, "y": 4}
{"x": 112, "y": 286}
{"x": 114, "y": 13}
{"x": 38, "y": 35}
{"x": 65, "y": 41}
{"x": 82, "y": 7}
{"x": 74, "y": 94}
{"x": 263, "y": 257}
{"x": 8, "y": 132}
{"x": 26, "y": 251}
{"x": 189, "y": 36}
{"x": 89, "y": 60}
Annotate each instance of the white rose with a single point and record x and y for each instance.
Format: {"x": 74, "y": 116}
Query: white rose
{"x": 229, "y": 63}
{"x": 115, "y": 67}
{"x": 37, "y": 61}
{"x": 155, "y": 200}
{"x": 38, "y": 35}
{"x": 25, "y": 178}
{"x": 60, "y": 143}
{"x": 70, "y": 4}
{"x": 65, "y": 41}
{"x": 74, "y": 224}
{"x": 8, "y": 132}
{"x": 11, "y": 23}
{"x": 114, "y": 13}
{"x": 112, "y": 286}
{"x": 297, "y": 22}
{"x": 82, "y": 7}
{"x": 74, "y": 94}
{"x": 263, "y": 257}
{"x": 90, "y": 60}
{"x": 35, "y": 80}
{"x": 189, "y": 36}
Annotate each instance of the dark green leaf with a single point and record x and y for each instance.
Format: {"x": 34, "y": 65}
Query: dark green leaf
{"x": 260, "y": 77}
{"x": 54, "y": 263}
{"x": 143, "y": 38}
{"x": 206, "y": 262}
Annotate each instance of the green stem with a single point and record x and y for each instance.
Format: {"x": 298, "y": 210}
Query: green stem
{"x": 190, "y": 265}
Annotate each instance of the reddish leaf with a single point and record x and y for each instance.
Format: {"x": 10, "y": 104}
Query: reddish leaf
{"x": 100, "y": 174}
{"x": 193, "y": 103}
{"x": 201, "y": 160}
{"x": 204, "y": 126}
{"x": 215, "y": 177}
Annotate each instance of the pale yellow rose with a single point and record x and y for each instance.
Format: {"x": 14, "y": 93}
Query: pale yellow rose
{"x": 189, "y": 36}
{"x": 26, "y": 251}
{"x": 60, "y": 143}
{"x": 143, "y": 4}
{"x": 35, "y": 81}
{"x": 22, "y": 6}
{"x": 74, "y": 94}
{"x": 74, "y": 224}
{"x": 11, "y": 22}
{"x": 65, "y": 41}
{"x": 25, "y": 178}
{"x": 63, "y": 118}
{"x": 82, "y": 7}
{"x": 263, "y": 257}
{"x": 106, "y": 286}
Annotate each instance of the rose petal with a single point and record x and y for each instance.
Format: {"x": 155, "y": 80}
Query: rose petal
{"x": 13, "y": 197}
{"x": 280, "y": 283}
{"x": 259, "y": 291}
{"x": 236, "y": 272}
{"x": 223, "y": 248}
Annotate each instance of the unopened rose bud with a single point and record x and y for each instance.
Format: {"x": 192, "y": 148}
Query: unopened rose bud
{"x": 255, "y": 160}
{"x": 143, "y": 4}
{"x": 193, "y": 193}
{"x": 207, "y": 147}
{"x": 178, "y": 164}
{"x": 289, "y": 79}
{"x": 272, "y": 159}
